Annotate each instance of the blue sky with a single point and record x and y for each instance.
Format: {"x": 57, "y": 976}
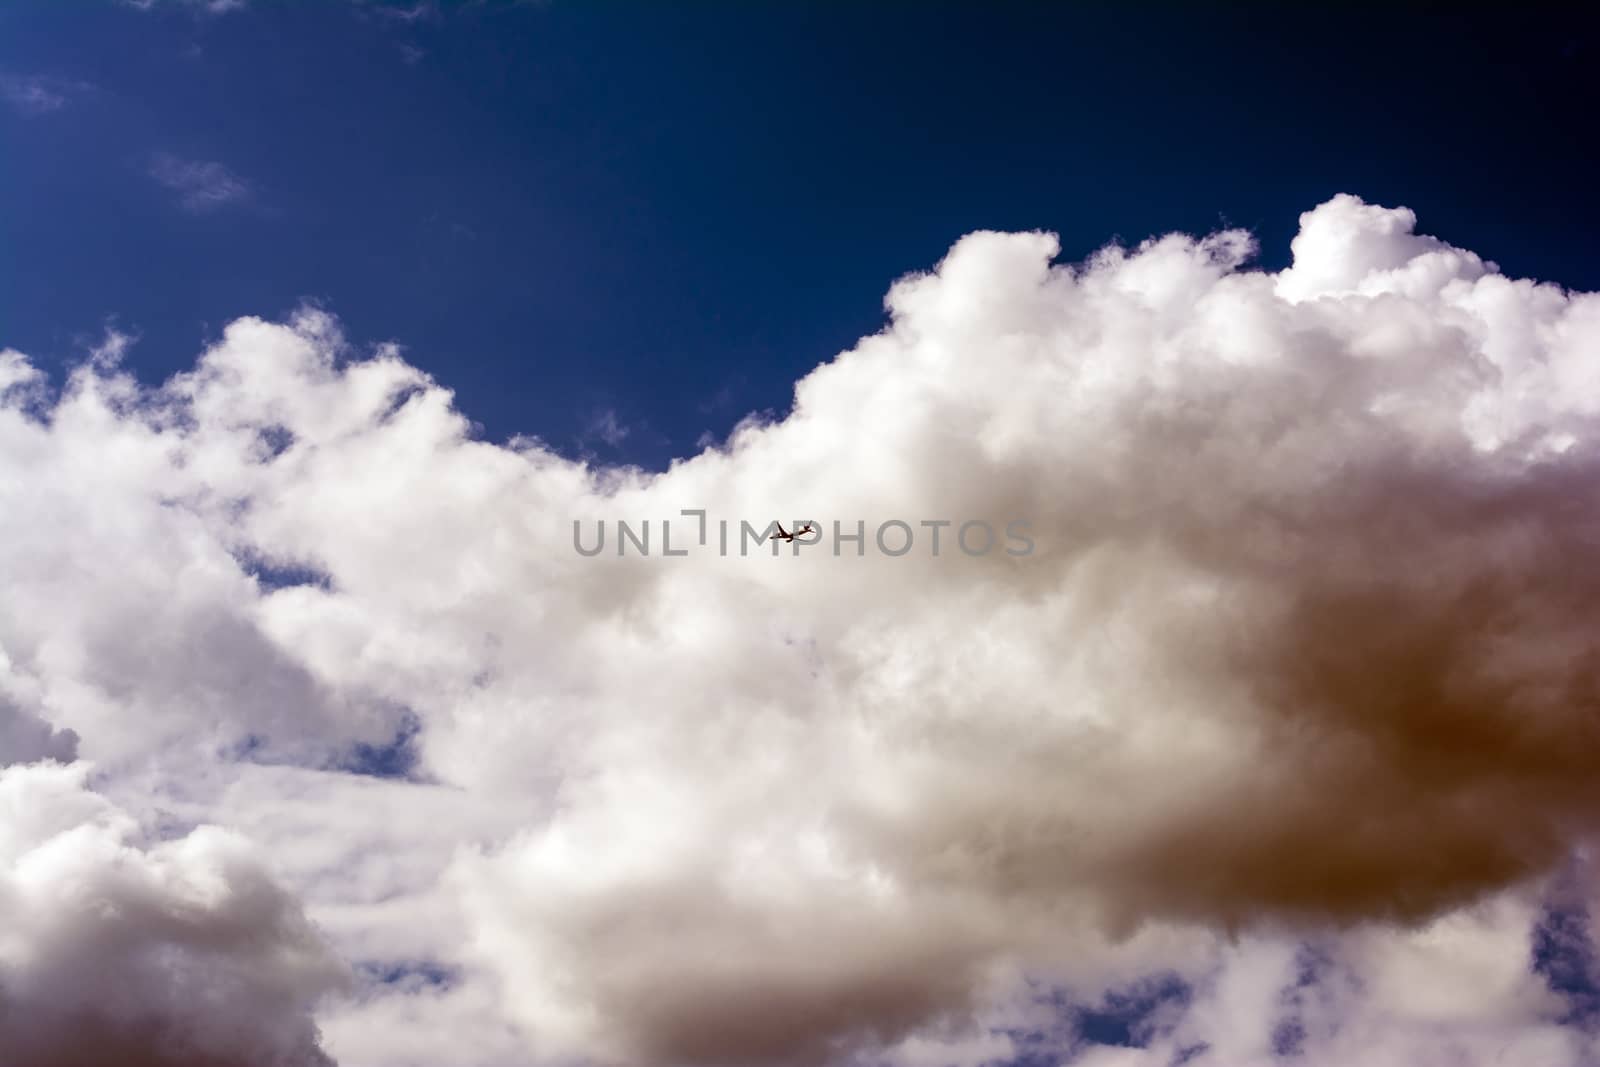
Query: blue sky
{"x": 620, "y": 226}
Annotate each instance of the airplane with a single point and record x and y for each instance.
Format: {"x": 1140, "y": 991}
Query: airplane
{"x": 787, "y": 536}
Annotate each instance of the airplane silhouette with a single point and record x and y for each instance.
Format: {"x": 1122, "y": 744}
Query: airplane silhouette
{"x": 787, "y": 536}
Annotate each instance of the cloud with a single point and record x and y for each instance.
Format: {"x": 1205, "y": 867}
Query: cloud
{"x": 201, "y": 185}
{"x": 201, "y": 7}
{"x": 1302, "y": 656}
{"x": 1457, "y": 990}
{"x": 423, "y": 9}
{"x": 25, "y": 738}
{"x": 35, "y": 95}
{"x": 177, "y": 952}
{"x": 605, "y": 427}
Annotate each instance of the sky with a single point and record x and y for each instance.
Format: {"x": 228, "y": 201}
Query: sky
{"x": 1189, "y": 658}
{"x": 623, "y": 226}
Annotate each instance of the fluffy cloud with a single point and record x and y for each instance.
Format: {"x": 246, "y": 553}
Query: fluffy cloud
{"x": 1458, "y": 990}
{"x": 1301, "y": 652}
{"x": 174, "y": 952}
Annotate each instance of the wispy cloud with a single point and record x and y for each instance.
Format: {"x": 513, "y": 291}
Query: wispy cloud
{"x": 204, "y": 7}
{"x": 201, "y": 185}
{"x": 605, "y": 427}
{"x": 415, "y": 11}
{"x": 33, "y": 95}
{"x": 423, "y": 9}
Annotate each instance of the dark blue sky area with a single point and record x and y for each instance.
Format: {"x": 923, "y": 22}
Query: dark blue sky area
{"x": 568, "y": 208}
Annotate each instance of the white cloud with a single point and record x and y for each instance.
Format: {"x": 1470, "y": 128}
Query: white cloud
{"x": 423, "y": 9}
{"x": 203, "y": 7}
{"x": 201, "y": 185}
{"x": 35, "y": 95}
{"x": 605, "y": 427}
{"x": 25, "y": 738}
{"x": 1303, "y": 652}
{"x": 159, "y": 954}
{"x": 1458, "y": 991}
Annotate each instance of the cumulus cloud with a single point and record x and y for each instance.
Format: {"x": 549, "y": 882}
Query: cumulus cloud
{"x": 1300, "y": 655}
{"x": 1458, "y": 990}
{"x": 201, "y": 185}
{"x": 25, "y": 738}
{"x": 179, "y": 952}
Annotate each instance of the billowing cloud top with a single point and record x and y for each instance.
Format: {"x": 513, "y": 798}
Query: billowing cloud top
{"x": 1283, "y": 633}
{"x": 179, "y": 954}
